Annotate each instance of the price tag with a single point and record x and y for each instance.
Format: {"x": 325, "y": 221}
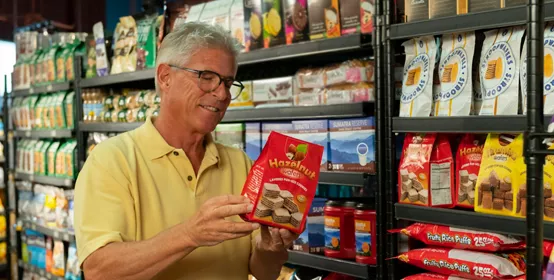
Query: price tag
{"x": 53, "y": 133}
{"x": 31, "y": 90}
{"x": 49, "y": 88}
{"x": 27, "y": 134}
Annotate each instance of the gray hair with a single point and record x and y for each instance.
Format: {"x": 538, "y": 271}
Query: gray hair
{"x": 179, "y": 45}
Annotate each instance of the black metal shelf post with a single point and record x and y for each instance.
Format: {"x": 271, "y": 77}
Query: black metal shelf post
{"x": 5, "y": 167}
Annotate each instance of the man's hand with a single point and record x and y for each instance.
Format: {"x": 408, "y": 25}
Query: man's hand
{"x": 275, "y": 242}
{"x": 208, "y": 227}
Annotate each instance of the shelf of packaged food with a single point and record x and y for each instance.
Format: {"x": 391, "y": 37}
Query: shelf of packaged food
{"x": 43, "y": 89}
{"x": 354, "y": 179}
{"x": 469, "y": 124}
{"x": 108, "y": 127}
{"x": 46, "y": 180}
{"x": 317, "y": 47}
{"x": 2, "y": 137}
{"x": 47, "y": 133}
{"x": 329, "y": 264}
{"x": 55, "y": 233}
{"x": 41, "y": 272}
{"x": 468, "y": 219}
{"x": 122, "y": 78}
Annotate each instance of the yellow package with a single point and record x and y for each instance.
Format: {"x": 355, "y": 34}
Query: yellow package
{"x": 497, "y": 186}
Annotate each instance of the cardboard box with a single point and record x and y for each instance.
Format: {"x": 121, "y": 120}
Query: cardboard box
{"x": 352, "y": 144}
{"x": 230, "y": 134}
{"x": 237, "y": 21}
{"x": 317, "y": 132}
{"x": 312, "y": 240}
{"x": 416, "y": 10}
{"x": 350, "y": 12}
{"x": 273, "y": 22}
{"x": 253, "y": 139}
{"x": 244, "y": 100}
{"x": 446, "y": 8}
{"x": 367, "y": 9}
{"x": 253, "y": 25}
{"x": 281, "y": 127}
{"x": 324, "y": 19}
{"x": 275, "y": 92}
{"x": 297, "y": 28}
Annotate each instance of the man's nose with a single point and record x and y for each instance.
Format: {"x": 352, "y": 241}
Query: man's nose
{"x": 222, "y": 93}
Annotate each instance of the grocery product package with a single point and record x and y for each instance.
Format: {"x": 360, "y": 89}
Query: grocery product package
{"x": 497, "y": 186}
{"x": 417, "y": 82}
{"x": 59, "y": 58}
{"x": 350, "y": 16}
{"x": 253, "y": 25}
{"x": 282, "y": 182}
{"x": 125, "y": 51}
{"x": 276, "y": 92}
{"x": 49, "y": 261}
{"x": 230, "y": 134}
{"x": 499, "y": 71}
{"x": 468, "y": 163}
{"x": 310, "y": 78}
{"x": 312, "y": 239}
{"x": 426, "y": 171}
{"x": 316, "y": 132}
{"x": 296, "y": 21}
{"x": 59, "y": 111}
{"x": 253, "y": 139}
{"x": 324, "y": 19}
{"x": 146, "y": 42}
{"x": 236, "y": 22}
{"x": 467, "y": 264}
{"x": 90, "y": 63}
{"x": 457, "y": 238}
{"x": 349, "y": 72}
{"x": 273, "y": 23}
{"x": 367, "y": 9}
{"x": 352, "y": 144}
{"x": 244, "y": 98}
{"x": 68, "y": 103}
{"x": 455, "y": 70}
{"x": 58, "y": 265}
{"x": 51, "y": 156}
{"x": 73, "y": 269}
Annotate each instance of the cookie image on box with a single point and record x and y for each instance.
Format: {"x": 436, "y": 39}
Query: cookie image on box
{"x": 547, "y": 190}
{"x": 412, "y": 176}
{"x": 549, "y": 212}
{"x": 299, "y": 17}
{"x": 271, "y": 190}
{"x": 498, "y": 204}
{"x": 462, "y": 196}
{"x": 486, "y": 185}
{"x": 417, "y": 185}
{"x": 506, "y": 184}
{"x": 413, "y": 195}
{"x": 494, "y": 179}
{"x": 423, "y": 196}
{"x": 289, "y": 201}
{"x": 499, "y": 194}
{"x": 273, "y": 203}
{"x": 473, "y": 178}
{"x": 406, "y": 185}
{"x": 471, "y": 197}
{"x": 255, "y": 26}
{"x": 549, "y": 202}
{"x": 467, "y": 186}
{"x": 404, "y": 196}
{"x": 464, "y": 176}
{"x": 404, "y": 175}
{"x": 487, "y": 200}
{"x": 281, "y": 215}
{"x": 296, "y": 219}
{"x": 509, "y": 204}
{"x": 262, "y": 211}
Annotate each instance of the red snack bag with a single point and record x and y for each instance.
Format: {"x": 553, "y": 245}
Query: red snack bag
{"x": 468, "y": 162}
{"x": 425, "y": 175}
{"x": 472, "y": 265}
{"x": 282, "y": 182}
{"x": 432, "y": 276}
{"x": 547, "y": 248}
{"x": 445, "y": 236}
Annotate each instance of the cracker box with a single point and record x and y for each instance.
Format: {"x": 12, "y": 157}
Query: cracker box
{"x": 468, "y": 162}
{"x": 312, "y": 239}
{"x": 237, "y": 21}
{"x": 244, "y": 99}
{"x": 282, "y": 182}
{"x": 253, "y": 25}
{"x": 350, "y": 16}
{"x": 352, "y": 144}
{"x": 317, "y": 132}
{"x": 426, "y": 171}
{"x": 230, "y": 134}
{"x": 296, "y": 21}
{"x": 273, "y": 23}
{"x": 281, "y": 127}
{"x": 497, "y": 188}
{"x": 275, "y": 92}
{"x": 253, "y": 140}
{"x": 367, "y": 8}
{"x": 324, "y": 19}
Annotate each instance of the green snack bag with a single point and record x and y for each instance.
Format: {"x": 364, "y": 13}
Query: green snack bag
{"x": 108, "y": 102}
{"x": 60, "y": 58}
{"x": 122, "y": 116}
{"x": 69, "y": 99}
{"x": 33, "y": 67}
{"x": 46, "y": 111}
{"x": 37, "y": 158}
{"x": 60, "y": 160}
{"x": 77, "y": 48}
{"x": 45, "y": 59}
{"x": 59, "y": 111}
{"x": 38, "y": 122}
{"x": 51, "y": 156}
{"x": 146, "y": 43}
{"x": 70, "y": 164}
{"x": 31, "y": 112}
{"x": 51, "y": 57}
{"x": 66, "y": 54}
{"x": 107, "y": 117}
{"x": 44, "y": 157}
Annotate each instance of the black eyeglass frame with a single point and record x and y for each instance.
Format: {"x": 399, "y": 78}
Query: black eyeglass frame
{"x": 200, "y": 72}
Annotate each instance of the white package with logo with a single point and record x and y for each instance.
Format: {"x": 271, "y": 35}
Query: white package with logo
{"x": 456, "y": 91}
{"x": 499, "y": 71}
{"x": 548, "y": 89}
{"x": 417, "y": 81}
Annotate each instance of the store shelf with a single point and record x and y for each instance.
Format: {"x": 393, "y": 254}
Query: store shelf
{"x": 47, "y": 133}
{"x": 318, "y": 47}
{"x": 43, "y": 89}
{"x": 329, "y": 264}
{"x": 468, "y": 219}
{"x": 39, "y": 271}
{"x": 46, "y": 180}
{"x": 108, "y": 127}
{"x": 122, "y": 78}
{"x": 469, "y": 124}
{"x": 56, "y": 233}
{"x": 354, "y": 179}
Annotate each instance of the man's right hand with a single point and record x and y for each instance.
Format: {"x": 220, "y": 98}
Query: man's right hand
{"x": 209, "y": 226}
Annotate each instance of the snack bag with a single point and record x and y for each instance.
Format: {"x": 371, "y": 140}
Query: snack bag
{"x": 496, "y": 186}
{"x": 499, "y": 69}
{"x": 282, "y": 182}
{"x": 52, "y": 150}
{"x": 468, "y": 163}
{"x": 426, "y": 171}
{"x": 455, "y": 68}
{"x": 468, "y": 264}
{"x": 236, "y": 22}
{"x": 417, "y": 81}
{"x": 100, "y": 57}
{"x": 60, "y": 160}
{"x": 253, "y": 24}
{"x": 68, "y": 103}
{"x": 146, "y": 43}
{"x": 456, "y": 238}
{"x": 296, "y": 23}
{"x": 58, "y": 265}
{"x": 73, "y": 268}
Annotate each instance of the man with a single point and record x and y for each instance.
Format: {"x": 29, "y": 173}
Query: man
{"x": 161, "y": 202}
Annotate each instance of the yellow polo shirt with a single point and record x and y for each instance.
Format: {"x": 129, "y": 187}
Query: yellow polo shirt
{"x": 135, "y": 185}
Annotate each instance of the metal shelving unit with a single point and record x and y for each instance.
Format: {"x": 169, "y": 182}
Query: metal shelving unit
{"x": 46, "y": 180}
{"x": 47, "y": 133}
{"x": 469, "y": 124}
{"x": 41, "y": 272}
{"x": 43, "y": 89}
{"x": 329, "y": 264}
{"x": 55, "y": 233}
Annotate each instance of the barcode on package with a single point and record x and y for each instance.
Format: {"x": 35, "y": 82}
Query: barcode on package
{"x": 440, "y": 184}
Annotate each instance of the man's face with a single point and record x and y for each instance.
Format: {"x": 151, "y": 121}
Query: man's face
{"x": 189, "y": 104}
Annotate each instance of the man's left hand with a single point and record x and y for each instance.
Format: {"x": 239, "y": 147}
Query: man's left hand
{"x": 275, "y": 241}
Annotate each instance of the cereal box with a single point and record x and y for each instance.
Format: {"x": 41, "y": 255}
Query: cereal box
{"x": 352, "y": 144}
{"x": 273, "y": 23}
{"x": 317, "y": 132}
{"x": 313, "y": 238}
{"x": 253, "y": 25}
{"x": 296, "y": 21}
{"x": 468, "y": 162}
{"x": 281, "y": 127}
{"x": 253, "y": 140}
{"x": 324, "y": 19}
{"x": 282, "y": 182}
{"x": 497, "y": 187}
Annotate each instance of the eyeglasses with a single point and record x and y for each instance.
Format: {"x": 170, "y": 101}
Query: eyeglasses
{"x": 209, "y": 81}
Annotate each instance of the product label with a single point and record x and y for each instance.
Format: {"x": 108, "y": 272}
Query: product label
{"x": 332, "y": 233}
{"x": 454, "y": 80}
{"x": 440, "y": 183}
{"x": 416, "y": 77}
{"x": 352, "y": 144}
{"x": 363, "y": 238}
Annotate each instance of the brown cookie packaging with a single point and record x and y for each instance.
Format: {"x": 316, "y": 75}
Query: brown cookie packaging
{"x": 296, "y": 21}
{"x": 279, "y": 204}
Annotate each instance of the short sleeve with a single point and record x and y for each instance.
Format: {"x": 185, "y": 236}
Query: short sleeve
{"x": 104, "y": 211}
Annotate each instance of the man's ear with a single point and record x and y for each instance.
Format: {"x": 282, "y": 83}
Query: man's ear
{"x": 164, "y": 78}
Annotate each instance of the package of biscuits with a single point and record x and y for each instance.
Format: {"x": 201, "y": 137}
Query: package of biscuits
{"x": 497, "y": 188}
{"x": 468, "y": 162}
{"x": 282, "y": 182}
{"x": 253, "y": 25}
{"x": 426, "y": 170}
{"x": 296, "y": 21}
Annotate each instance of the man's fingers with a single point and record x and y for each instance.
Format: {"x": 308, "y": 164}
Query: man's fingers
{"x": 276, "y": 237}
{"x": 229, "y": 236}
{"x": 288, "y": 237}
{"x": 239, "y": 227}
{"x": 228, "y": 199}
{"x": 225, "y": 211}
{"x": 264, "y": 233}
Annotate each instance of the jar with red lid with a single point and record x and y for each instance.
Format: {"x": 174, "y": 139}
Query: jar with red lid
{"x": 339, "y": 229}
{"x": 365, "y": 224}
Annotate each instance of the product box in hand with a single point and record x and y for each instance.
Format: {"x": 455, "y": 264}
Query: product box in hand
{"x": 315, "y": 131}
{"x": 426, "y": 171}
{"x": 282, "y": 182}
{"x": 273, "y": 23}
{"x": 297, "y": 28}
{"x": 468, "y": 163}
{"x": 253, "y": 139}
{"x": 275, "y": 92}
{"x": 312, "y": 239}
{"x": 230, "y": 134}
{"x": 253, "y": 25}
{"x": 352, "y": 144}
{"x": 497, "y": 187}
{"x": 281, "y": 127}
{"x": 324, "y": 19}
{"x": 244, "y": 99}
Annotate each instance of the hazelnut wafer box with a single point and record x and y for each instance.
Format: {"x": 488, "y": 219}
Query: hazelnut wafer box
{"x": 282, "y": 182}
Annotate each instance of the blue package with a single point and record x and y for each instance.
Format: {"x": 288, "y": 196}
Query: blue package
{"x": 352, "y": 144}
{"x": 253, "y": 139}
{"x": 316, "y": 132}
{"x": 313, "y": 238}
